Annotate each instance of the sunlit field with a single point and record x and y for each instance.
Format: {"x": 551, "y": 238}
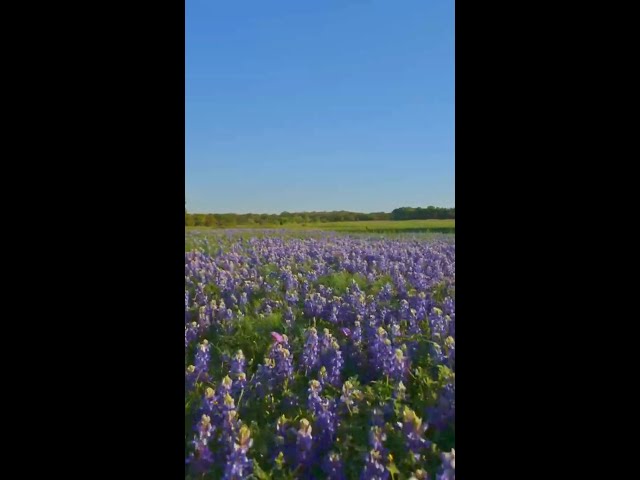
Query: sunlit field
{"x": 315, "y": 354}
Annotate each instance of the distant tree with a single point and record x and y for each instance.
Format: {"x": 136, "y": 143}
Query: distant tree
{"x": 232, "y": 219}
{"x": 210, "y": 220}
{"x": 431, "y": 212}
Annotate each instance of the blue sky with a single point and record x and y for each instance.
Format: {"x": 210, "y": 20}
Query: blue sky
{"x": 319, "y": 105}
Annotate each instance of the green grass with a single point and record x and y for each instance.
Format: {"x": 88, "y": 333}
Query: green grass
{"x": 384, "y": 226}
{"x": 373, "y": 226}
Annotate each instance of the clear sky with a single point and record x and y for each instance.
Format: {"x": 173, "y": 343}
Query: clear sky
{"x": 303, "y": 105}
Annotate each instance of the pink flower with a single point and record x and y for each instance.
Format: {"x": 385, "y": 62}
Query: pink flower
{"x": 277, "y": 337}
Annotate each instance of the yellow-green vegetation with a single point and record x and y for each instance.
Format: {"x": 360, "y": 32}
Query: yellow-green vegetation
{"x": 374, "y": 226}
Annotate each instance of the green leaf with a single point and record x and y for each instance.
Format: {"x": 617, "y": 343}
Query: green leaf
{"x": 259, "y": 473}
{"x": 393, "y": 470}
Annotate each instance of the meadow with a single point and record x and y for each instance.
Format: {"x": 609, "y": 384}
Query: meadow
{"x": 373, "y": 226}
{"x": 318, "y": 354}
{"x": 390, "y": 226}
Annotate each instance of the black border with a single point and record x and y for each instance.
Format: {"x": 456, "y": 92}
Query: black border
{"x": 100, "y": 274}
{"x": 97, "y": 187}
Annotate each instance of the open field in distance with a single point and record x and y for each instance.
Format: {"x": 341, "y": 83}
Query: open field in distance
{"x": 373, "y": 226}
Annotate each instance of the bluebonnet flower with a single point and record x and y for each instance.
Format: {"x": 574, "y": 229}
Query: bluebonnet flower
{"x": 404, "y": 309}
{"x": 228, "y": 426}
{"x": 291, "y": 297}
{"x": 399, "y": 282}
{"x": 238, "y": 464}
{"x": 204, "y": 317}
{"x": 419, "y": 474}
{"x": 228, "y": 404}
{"x": 315, "y": 401}
{"x": 285, "y": 441}
{"x": 282, "y": 428}
{"x": 381, "y": 352}
{"x": 225, "y": 388}
{"x": 243, "y": 301}
{"x": 377, "y": 437}
{"x": 450, "y": 350}
{"x": 200, "y": 298}
{"x": 332, "y": 466}
{"x": 239, "y": 385}
{"x": 226, "y": 320}
{"x": 210, "y": 403}
{"x": 331, "y": 357}
{"x": 359, "y": 303}
{"x": 325, "y": 339}
{"x": 357, "y": 333}
{"x": 190, "y": 377}
{"x": 304, "y": 442}
{"x": 289, "y": 280}
{"x": 398, "y": 366}
{"x": 438, "y": 325}
{"x": 386, "y": 293}
{"x": 395, "y": 329}
{"x": 310, "y": 353}
{"x": 443, "y": 413}
{"x": 349, "y": 396}
{"x": 203, "y": 356}
{"x": 448, "y": 306}
{"x": 221, "y": 310}
{"x": 289, "y": 317}
{"x": 277, "y": 368}
{"x": 448, "y": 469}
{"x": 265, "y": 380}
{"x": 190, "y": 333}
{"x": 314, "y": 305}
{"x": 283, "y": 363}
{"x": 238, "y": 363}
{"x": 333, "y": 314}
{"x": 326, "y": 423}
{"x": 413, "y": 430}
{"x": 374, "y": 468}
{"x": 201, "y": 459}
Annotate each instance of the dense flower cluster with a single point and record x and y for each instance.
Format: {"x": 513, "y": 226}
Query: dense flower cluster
{"x": 332, "y": 356}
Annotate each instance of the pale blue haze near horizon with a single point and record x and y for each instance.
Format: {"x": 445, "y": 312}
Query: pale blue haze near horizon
{"x": 319, "y": 105}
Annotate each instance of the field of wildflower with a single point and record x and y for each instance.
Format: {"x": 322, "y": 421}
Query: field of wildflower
{"x": 319, "y": 356}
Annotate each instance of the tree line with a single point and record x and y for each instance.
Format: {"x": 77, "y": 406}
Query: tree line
{"x": 284, "y": 218}
{"x": 409, "y": 213}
